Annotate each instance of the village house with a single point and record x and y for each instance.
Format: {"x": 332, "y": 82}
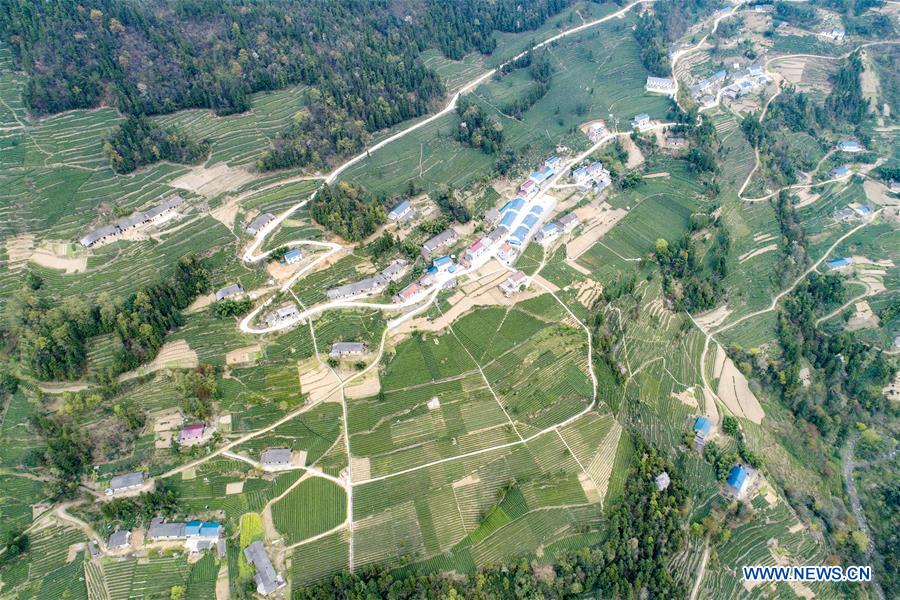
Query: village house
{"x": 443, "y": 240}
{"x": 702, "y": 429}
{"x": 553, "y": 163}
{"x": 841, "y": 171}
{"x": 491, "y": 217}
{"x": 849, "y": 146}
{"x": 191, "y": 435}
{"x": 474, "y": 251}
{"x": 528, "y": 188}
{"x": 548, "y": 233}
{"x": 395, "y": 270}
{"x": 159, "y": 530}
{"x": 443, "y": 264}
{"x": 506, "y": 252}
{"x": 569, "y": 222}
{"x": 542, "y": 175}
{"x": 835, "y": 34}
{"x": 259, "y": 223}
{"x": 596, "y": 132}
{"x": 119, "y": 539}
{"x": 275, "y": 458}
{"x": 839, "y": 263}
{"x": 514, "y": 284}
{"x": 286, "y": 312}
{"x": 494, "y": 237}
{"x": 408, "y": 293}
{"x": 641, "y": 122}
{"x": 364, "y": 287}
{"x": 738, "y": 479}
{"x": 268, "y": 580}
{"x": 859, "y": 209}
{"x": 292, "y": 257}
{"x": 124, "y": 483}
{"x": 108, "y": 233}
{"x": 661, "y": 85}
{"x": 347, "y": 349}
{"x": 402, "y": 211}
{"x": 229, "y": 292}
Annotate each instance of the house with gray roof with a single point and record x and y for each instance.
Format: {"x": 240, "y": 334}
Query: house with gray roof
{"x": 395, "y": 270}
{"x": 123, "y": 483}
{"x": 161, "y": 531}
{"x": 402, "y": 211}
{"x": 259, "y": 222}
{"x": 267, "y": 579}
{"x": 345, "y": 349}
{"x": 119, "y": 539}
{"x": 364, "y": 287}
{"x": 231, "y": 291}
{"x": 275, "y": 457}
{"x": 100, "y": 235}
{"x": 444, "y": 239}
{"x": 285, "y": 312}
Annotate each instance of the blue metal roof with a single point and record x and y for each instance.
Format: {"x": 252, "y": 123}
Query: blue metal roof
{"x": 737, "y": 477}
{"x": 536, "y": 210}
{"x": 549, "y": 227}
{"x": 703, "y": 425}
{"x": 542, "y": 175}
{"x": 843, "y": 170}
{"x": 400, "y": 208}
{"x": 529, "y": 221}
{"x": 519, "y": 235}
{"x": 838, "y": 263}
{"x": 442, "y": 260}
{"x": 515, "y": 204}
{"x": 293, "y": 253}
{"x": 192, "y": 527}
{"x": 509, "y": 218}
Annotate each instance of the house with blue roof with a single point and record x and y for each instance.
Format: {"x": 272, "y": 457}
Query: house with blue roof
{"x": 702, "y": 426}
{"x": 519, "y": 235}
{"x": 515, "y": 204}
{"x": 542, "y": 175}
{"x": 849, "y": 146}
{"x": 840, "y": 171}
{"x": 192, "y": 528}
{"x": 839, "y": 263}
{"x": 580, "y": 174}
{"x": 401, "y": 211}
{"x": 530, "y": 221}
{"x": 537, "y": 209}
{"x": 548, "y": 233}
{"x": 509, "y": 218}
{"x": 292, "y": 256}
{"x": 738, "y": 479}
{"x": 553, "y": 163}
{"x": 444, "y": 264}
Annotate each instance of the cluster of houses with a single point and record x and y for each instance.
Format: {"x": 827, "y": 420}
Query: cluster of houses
{"x": 111, "y": 232}
{"x": 554, "y": 229}
{"x": 739, "y": 477}
{"x": 835, "y": 34}
{"x": 370, "y": 286}
{"x": 197, "y": 536}
{"x": 592, "y": 176}
{"x": 743, "y": 82}
{"x": 853, "y": 211}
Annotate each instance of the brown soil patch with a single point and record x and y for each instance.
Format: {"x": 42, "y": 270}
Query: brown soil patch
{"x": 201, "y": 302}
{"x": 173, "y": 355}
{"x": 713, "y": 318}
{"x": 19, "y": 249}
{"x": 864, "y": 318}
{"x": 234, "y": 487}
{"x": 635, "y": 156}
{"x": 52, "y": 258}
{"x": 244, "y": 356}
{"x": 212, "y": 181}
{"x": 223, "y": 587}
{"x": 226, "y": 212}
{"x": 589, "y": 488}
{"x": 878, "y": 193}
{"x": 588, "y": 292}
{"x": 62, "y": 386}
{"x": 317, "y": 381}
{"x": 361, "y": 468}
{"x": 366, "y": 387}
{"x": 748, "y": 255}
{"x": 734, "y": 389}
{"x": 687, "y": 397}
{"x": 596, "y": 222}
{"x": 468, "y": 480}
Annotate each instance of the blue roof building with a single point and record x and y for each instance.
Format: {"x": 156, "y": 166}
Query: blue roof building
{"x": 841, "y": 171}
{"x": 553, "y": 162}
{"x": 536, "y": 210}
{"x": 849, "y": 146}
{"x": 530, "y": 221}
{"x": 211, "y": 529}
{"x": 515, "y": 204}
{"x": 542, "y": 175}
{"x": 192, "y": 528}
{"x": 399, "y": 211}
{"x": 508, "y": 219}
{"x": 519, "y": 235}
{"x": 291, "y": 257}
{"x": 702, "y": 425}
{"x": 737, "y": 479}
{"x": 839, "y": 263}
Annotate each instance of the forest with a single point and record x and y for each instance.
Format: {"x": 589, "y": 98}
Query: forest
{"x": 348, "y": 211}
{"x": 139, "y": 141}
{"x": 50, "y": 339}
{"x": 688, "y": 282}
{"x": 476, "y": 128}
{"x": 617, "y": 567}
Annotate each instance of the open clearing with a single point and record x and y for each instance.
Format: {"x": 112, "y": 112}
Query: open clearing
{"x": 734, "y": 389}
{"x": 247, "y": 355}
{"x": 172, "y": 355}
{"x": 213, "y": 181}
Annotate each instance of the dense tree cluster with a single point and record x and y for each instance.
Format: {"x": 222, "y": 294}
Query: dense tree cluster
{"x": 127, "y": 513}
{"x": 541, "y": 73}
{"x": 845, "y": 103}
{"x": 51, "y": 339}
{"x": 232, "y": 308}
{"x": 476, "y": 128}
{"x": 451, "y": 206}
{"x": 689, "y": 283}
{"x": 881, "y": 501}
{"x": 644, "y": 532}
{"x": 199, "y": 388}
{"x": 139, "y": 141}
{"x": 68, "y": 452}
{"x": 792, "y": 258}
{"x": 796, "y": 13}
{"x": 347, "y": 210}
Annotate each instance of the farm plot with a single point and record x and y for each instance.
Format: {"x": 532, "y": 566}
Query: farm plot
{"x": 319, "y": 559}
{"x": 126, "y": 579}
{"x": 314, "y": 432}
{"x": 315, "y": 506}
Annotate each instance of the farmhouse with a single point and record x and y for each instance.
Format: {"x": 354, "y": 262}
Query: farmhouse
{"x": 228, "y": 292}
{"x": 491, "y": 217}
{"x": 839, "y": 263}
{"x": 580, "y": 175}
{"x": 662, "y": 481}
{"x": 844, "y": 214}
{"x": 192, "y": 434}
{"x": 841, "y": 171}
{"x": 364, "y": 287}
{"x": 119, "y": 539}
{"x": 259, "y": 223}
{"x": 702, "y": 428}
{"x": 641, "y": 122}
{"x": 494, "y": 237}
{"x": 836, "y": 34}
{"x": 408, "y": 293}
{"x": 514, "y": 284}
{"x": 292, "y": 257}
{"x": 548, "y": 233}
{"x": 569, "y": 222}
{"x": 161, "y": 531}
{"x": 286, "y": 312}
{"x": 528, "y": 188}
{"x": 194, "y": 532}
{"x": 859, "y": 209}
{"x": 123, "y": 483}
{"x": 849, "y": 146}
{"x": 506, "y": 252}
{"x": 346, "y": 349}
{"x": 553, "y": 163}
{"x": 444, "y": 239}
{"x": 543, "y": 175}
{"x": 738, "y": 480}
{"x": 676, "y": 142}
{"x": 443, "y": 264}
{"x": 267, "y": 579}
{"x": 475, "y": 250}
{"x": 661, "y": 85}
{"x": 402, "y": 211}
{"x": 156, "y": 214}
{"x": 596, "y": 132}
{"x": 395, "y": 270}
{"x": 275, "y": 458}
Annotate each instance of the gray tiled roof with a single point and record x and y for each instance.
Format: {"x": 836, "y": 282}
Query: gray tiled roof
{"x": 448, "y": 236}
{"x": 231, "y": 290}
{"x": 363, "y": 286}
{"x": 341, "y": 348}
{"x": 276, "y": 456}
{"x": 121, "y": 482}
{"x": 165, "y": 530}
{"x": 260, "y": 222}
{"x": 119, "y": 539}
{"x": 267, "y": 578}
